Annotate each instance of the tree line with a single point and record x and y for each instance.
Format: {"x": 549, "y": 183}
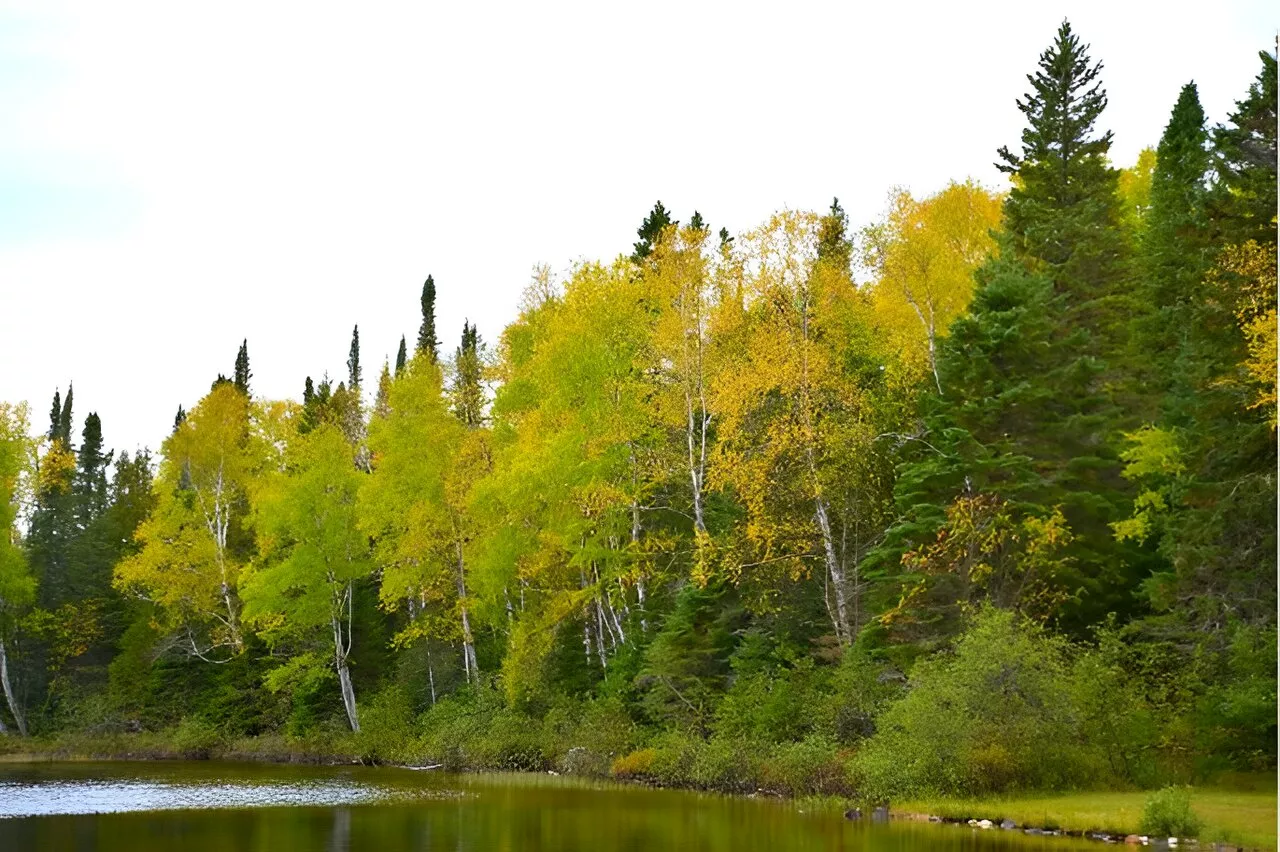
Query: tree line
{"x": 724, "y": 481}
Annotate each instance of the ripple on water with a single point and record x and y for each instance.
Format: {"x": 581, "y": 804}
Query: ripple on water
{"x": 48, "y": 798}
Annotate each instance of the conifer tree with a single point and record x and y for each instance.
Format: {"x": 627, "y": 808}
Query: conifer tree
{"x": 725, "y": 240}
{"x": 64, "y": 419}
{"x": 1175, "y": 254}
{"x": 382, "y": 403}
{"x": 468, "y": 389}
{"x": 400, "y": 357}
{"x": 353, "y": 363}
{"x": 1244, "y": 161}
{"x": 55, "y": 417}
{"x": 834, "y": 244}
{"x": 90, "y": 486}
{"x": 1063, "y": 213}
{"x": 242, "y": 374}
{"x": 179, "y": 417}
{"x": 650, "y": 231}
{"x": 1028, "y": 418}
{"x": 427, "y": 340}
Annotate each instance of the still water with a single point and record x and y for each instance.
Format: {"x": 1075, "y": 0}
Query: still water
{"x": 220, "y": 807}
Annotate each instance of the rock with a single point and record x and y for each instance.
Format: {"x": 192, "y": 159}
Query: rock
{"x": 1008, "y": 824}
{"x": 1132, "y": 839}
{"x": 880, "y": 814}
{"x": 1032, "y": 831}
{"x": 985, "y": 823}
{"x": 935, "y": 818}
{"x": 853, "y": 813}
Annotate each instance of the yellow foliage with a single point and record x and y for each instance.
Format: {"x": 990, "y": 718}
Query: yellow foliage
{"x": 923, "y": 255}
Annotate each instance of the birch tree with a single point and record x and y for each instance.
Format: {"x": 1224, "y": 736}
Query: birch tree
{"x": 678, "y": 278}
{"x": 193, "y": 546}
{"x": 923, "y": 255}
{"x": 17, "y": 586}
{"x": 414, "y": 506}
{"x": 312, "y": 552}
{"x": 795, "y": 443}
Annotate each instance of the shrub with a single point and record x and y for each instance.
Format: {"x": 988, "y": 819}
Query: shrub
{"x": 637, "y": 764}
{"x": 729, "y": 765}
{"x": 1167, "y": 813}
{"x": 995, "y": 715}
{"x": 811, "y": 766}
{"x": 195, "y": 738}
{"x": 386, "y": 727}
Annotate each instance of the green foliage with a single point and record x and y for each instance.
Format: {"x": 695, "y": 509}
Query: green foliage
{"x": 997, "y": 714}
{"x": 1167, "y": 813}
{"x": 427, "y": 340}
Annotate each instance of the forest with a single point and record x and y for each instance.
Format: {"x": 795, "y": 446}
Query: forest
{"x": 977, "y": 497}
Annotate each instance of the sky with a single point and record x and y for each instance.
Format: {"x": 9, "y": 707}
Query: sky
{"x": 177, "y": 177}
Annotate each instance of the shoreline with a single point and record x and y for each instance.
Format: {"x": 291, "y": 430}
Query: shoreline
{"x": 1063, "y": 814}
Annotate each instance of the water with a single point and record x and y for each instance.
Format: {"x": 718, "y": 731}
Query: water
{"x": 219, "y": 807}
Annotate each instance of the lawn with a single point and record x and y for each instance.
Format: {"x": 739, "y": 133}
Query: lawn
{"x": 1243, "y": 814}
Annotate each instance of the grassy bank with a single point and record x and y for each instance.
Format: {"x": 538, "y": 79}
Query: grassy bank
{"x": 1241, "y": 812}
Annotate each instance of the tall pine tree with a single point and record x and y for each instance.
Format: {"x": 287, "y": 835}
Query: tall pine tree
{"x": 353, "y": 363}
{"x": 468, "y": 388}
{"x": 1029, "y": 420}
{"x": 650, "y": 231}
{"x": 242, "y": 374}
{"x": 1175, "y": 252}
{"x": 427, "y": 340}
{"x": 400, "y": 356}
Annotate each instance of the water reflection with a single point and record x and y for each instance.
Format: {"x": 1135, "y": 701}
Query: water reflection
{"x": 268, "y": 809}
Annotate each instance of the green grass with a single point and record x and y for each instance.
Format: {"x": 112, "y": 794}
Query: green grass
{"x": 1241, "y": 814}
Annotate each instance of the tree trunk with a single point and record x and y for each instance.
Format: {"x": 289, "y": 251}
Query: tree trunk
{"x": 431, "y": 677}
{"x": 834, "y": 571}
{"x": 18, "y": 718}
{"x": 469, "y": 664}
{"x": 348, "y": 696}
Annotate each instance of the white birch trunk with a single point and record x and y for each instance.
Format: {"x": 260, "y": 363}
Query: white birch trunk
{"x": 834, "y": 571}
{"x": 14, "y": 709}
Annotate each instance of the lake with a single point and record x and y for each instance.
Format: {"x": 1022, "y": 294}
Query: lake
{"x": 218, "y": 807}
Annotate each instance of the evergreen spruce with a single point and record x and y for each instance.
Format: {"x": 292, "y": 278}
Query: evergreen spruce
{"x": 55, "y": 417}
{"x": 427, "y": 340}
{"x": 353, "y": 363}
{"x": 1175, "y": 253}
{"x": 1029, "y": 417}
{"x": 90, "y": 487}
{"x": 468, "y": 387}
{"x": 1244, "y": 161}
{"x": 179, "y": 418}
{"x": 400, "y": 356}
{"x": 242, "y": 374}
{"x": 650, "y": 231}
{"x": 64, "y": 419}
{"x": 1063, "y": 213}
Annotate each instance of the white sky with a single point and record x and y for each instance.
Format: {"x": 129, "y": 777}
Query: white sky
{"x": 175, "y": 177}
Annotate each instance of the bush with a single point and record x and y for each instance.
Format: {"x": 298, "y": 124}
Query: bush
{"x": 1167, "y": 813}
{"x": 997, "y": 714}
{"x": 811, "y": 766}
{"x": 637, "y": 764}
{"x": 386, "y": 727}
{"x": 194, "y": 738}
